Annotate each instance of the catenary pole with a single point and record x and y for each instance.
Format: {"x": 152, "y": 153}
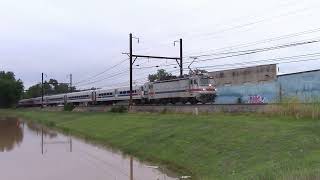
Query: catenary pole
{"x": 130, "y": 55}
{"x": 70, "y": 82}
{"x": 181, "y": 56}
{"x": 42, "y": 90}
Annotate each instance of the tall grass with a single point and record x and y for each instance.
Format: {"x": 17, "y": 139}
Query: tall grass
{"x": 292, "y": 106}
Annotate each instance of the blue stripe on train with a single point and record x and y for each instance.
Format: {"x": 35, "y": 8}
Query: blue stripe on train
{"x": 122, "y": 95}
{"x": 166, "y": 92}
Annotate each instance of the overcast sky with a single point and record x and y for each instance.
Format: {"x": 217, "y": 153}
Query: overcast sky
{"x": 60, "y": 37}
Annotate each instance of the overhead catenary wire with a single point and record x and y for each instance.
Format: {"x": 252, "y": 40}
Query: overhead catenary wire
{"x": 233, "y": 54}
{"x": 299, "y": 43}
{"x": 114, "y": 76}
{"x": 215, "y": 69}
{"x": 97, "y": 80}
{"x": 285, "y": 4}
{"x": 105, "y": 78}
{"x": 206, "y": 35}
{"x": 245, "y": 52}
{"x": 125, "y": 83}
{"x": 100, "y": 73}
{"x": 280, "y": 60}
{"x": 103, "y": 72}
{"x": 315, "y": 30}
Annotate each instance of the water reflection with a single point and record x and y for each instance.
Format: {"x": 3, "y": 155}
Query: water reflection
{"x": 11, "y": 134}
{"x": 64, "y": 158}
{"x": 36, "y": 128}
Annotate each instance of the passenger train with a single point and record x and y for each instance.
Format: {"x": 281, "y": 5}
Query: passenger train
{"x": 192, "y": 89}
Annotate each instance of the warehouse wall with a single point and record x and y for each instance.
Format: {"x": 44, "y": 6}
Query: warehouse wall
{"x": 304, "y": 85}
{"x": 256, "y": 74}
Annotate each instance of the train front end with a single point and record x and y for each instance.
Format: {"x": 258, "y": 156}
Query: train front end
{"x": 205, "y": 90}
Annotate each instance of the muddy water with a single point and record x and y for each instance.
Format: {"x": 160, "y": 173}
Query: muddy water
{"x": 24, "y": 156}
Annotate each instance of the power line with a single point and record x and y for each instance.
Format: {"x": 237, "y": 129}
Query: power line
{"x": 108, "y": 77}
{"x": 247, "y": 16}
{"x": 253, "y": 22}
{"x": 112, "y": 76}
{"x": 127, "y": 82}
{"x": 265, "y": 40}
{"x": 103, "y": 72}
{"x": 251, "y": 51}
{"x": 246, "y": 52}
{"x": 269, "y": 60}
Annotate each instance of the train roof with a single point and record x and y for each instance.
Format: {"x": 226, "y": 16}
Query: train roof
{"x": 183, "y": 78}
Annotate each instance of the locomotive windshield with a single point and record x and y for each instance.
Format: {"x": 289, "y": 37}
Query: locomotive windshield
{"x": 204, "y": 82}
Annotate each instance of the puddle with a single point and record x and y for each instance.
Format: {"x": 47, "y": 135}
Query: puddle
{"x": 24, "y": 155}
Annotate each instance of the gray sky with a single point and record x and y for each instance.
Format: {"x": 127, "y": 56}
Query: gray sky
{"x": 84, "y": 38}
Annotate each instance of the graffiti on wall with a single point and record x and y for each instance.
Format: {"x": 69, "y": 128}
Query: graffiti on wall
{"x": 256, "y": 99}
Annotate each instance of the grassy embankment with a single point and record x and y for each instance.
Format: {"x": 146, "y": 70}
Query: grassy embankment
{"x": 217, "y": 146}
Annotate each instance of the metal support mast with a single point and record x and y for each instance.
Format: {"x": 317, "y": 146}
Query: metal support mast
{"x": 181, "y": 64}
{"x": 131, "y": 63}
{"x": 42, "y": 90}
{"x": 131, "y": 56}
{"x": 70, "y": 82}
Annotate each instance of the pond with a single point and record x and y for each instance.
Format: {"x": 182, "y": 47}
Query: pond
{"x": 31, "y": 152}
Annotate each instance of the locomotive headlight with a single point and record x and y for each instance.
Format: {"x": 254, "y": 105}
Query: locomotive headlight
{"x": 210, "y": 85}
{"x": 203, "y": 89}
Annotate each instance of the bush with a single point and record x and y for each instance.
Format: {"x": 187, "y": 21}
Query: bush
{"x": 68, "y": 107}
{"x": 239, "y": 100}
{"x": 119, "y": 109}
{"x": 164, "y": 111}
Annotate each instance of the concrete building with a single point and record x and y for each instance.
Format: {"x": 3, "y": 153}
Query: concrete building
{"x": 256, "y": 74}
{"x": 261, "y": 84}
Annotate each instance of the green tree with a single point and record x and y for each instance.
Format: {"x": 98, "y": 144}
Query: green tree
{"x": 50, "y": 87}
{"x": 33, "y": 91}
{"x": 11, "y": 89}
{"x": 160, "y": 76}
{"x": 197, "y": 71}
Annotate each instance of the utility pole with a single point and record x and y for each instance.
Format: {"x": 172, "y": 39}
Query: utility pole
{"x": 181, "y": 64}
{"x": 70, "y": 82}
{"x": 131, "y": 55}
{"x": 131, "y": 168}
{"x": 131, "y": 63}
{"x": 42, "y": 90}
{"x": 42, "y": 143}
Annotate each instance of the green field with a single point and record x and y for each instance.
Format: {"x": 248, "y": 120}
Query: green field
{"x": 216, "y": 146}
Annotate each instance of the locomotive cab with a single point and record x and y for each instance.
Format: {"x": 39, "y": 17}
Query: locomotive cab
{"x": 203, "y": 87}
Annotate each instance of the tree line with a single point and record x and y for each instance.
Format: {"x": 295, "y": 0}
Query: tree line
{"x": 50, "y": 87}
{"x": 12, "y": 89}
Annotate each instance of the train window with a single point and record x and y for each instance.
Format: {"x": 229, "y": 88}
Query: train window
{"x": 128, "y": 92}
{"x": 204, "y": 81}
{"x": 191, "y": 81}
